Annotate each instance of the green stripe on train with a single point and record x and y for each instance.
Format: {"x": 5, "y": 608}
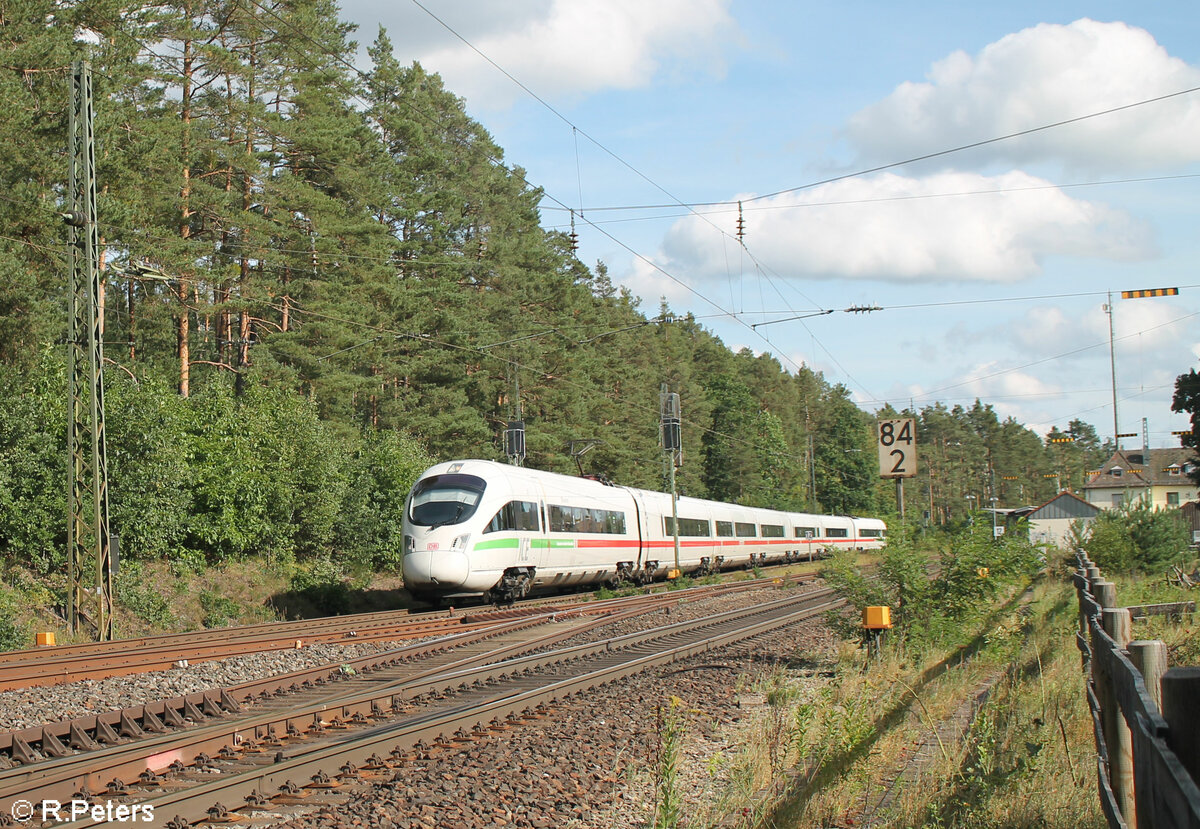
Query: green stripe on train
{"x": 554, "y": 543}
{"x": 497, "y": 544}
{"x": 536, "y": 543}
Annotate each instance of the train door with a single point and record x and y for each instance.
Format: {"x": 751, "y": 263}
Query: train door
{"x": 641, "y": 522}
{"x": 525, "y": 548}
{"x": 534, "y": 548}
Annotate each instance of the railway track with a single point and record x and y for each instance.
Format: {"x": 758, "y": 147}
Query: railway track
{"x": 26, "y": 746}
{"x": 100, "y": 660}
{"x": 314, "y": 743}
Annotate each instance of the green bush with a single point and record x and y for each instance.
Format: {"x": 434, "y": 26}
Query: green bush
{"x": 930, "y": 609}
{"x": 197, "y": 481}
{"x": 378, "y": 477}
{"x": 219, "y": 611}
{"x": 141, "y": 599}
{"x": 322, "y": 585}
{"x": 33, "y": 453}
{"x": 13, "y": 637}
{"x": 1136, "y": 537}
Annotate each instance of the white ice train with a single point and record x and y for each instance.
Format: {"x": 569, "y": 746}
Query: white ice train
{"x": 480, "y": 528}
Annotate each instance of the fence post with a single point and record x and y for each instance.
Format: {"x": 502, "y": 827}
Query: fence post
{"x": 1081, "y": 587}
{"x": 1119, "y": 626}
{"x": 1149, "y": 656}
{"x": 1180, "y": 690}
{"x": 1101, "y": 686}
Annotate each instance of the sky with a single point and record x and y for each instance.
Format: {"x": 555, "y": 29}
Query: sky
{"x": 982, "y": 175}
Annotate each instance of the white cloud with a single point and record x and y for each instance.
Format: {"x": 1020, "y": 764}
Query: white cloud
{"x": 895, "y": 228}
{"x": 1039, "y": 76}
{"x": 576, "y": 47}
{"x": 992, "y": 380}
{"x": 652, "y": 284}
{"x": 1152, "y": 326}
{"x": 1050, "y": 329}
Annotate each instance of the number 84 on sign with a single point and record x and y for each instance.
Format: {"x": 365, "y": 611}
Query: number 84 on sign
{"x": 897, "y": 440}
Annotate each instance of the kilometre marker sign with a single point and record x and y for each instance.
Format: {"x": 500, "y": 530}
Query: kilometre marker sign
{"x": 898, "y": 448}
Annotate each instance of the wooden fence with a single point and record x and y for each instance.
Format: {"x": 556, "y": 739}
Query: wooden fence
{"x": 1146, "y": 717}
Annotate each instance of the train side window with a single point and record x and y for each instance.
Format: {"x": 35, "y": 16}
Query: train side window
{"x": 838, "y": 532}
{"x": 865, "y": 533}
{"x": 806, "y": 532}
{"x": 725, "y": 529}
{"x": 585, "y": 520}
{"x": 694, "y": 527}
{"x": 772, "y": 530}
{"x": 561, "y": 520}
{"x": 746, "y": 530}
{"x": 614, "y": 522}
{"x": 515, "y": 515}
{"x": 527, "y": 516}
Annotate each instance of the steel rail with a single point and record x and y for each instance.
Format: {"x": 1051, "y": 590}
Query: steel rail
{"x": 59, "y": 738}
{"x": 71, "y": 663}
{"x": 192, "y": 804}
{"x": 55, "y": 739}
{"x": 62, "y": 777}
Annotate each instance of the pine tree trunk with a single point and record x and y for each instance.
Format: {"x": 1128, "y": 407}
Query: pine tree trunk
{"x": 185, "y": 229}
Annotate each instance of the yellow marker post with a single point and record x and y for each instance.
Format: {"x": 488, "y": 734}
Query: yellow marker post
{"x": 877, "y": 617}
{"x": 876, "y": 620}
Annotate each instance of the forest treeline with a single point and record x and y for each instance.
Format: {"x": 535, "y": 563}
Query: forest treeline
{"x": 317, "y": 280}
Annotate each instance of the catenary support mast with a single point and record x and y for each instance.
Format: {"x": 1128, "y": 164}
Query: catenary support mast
{"x": 87, "y": 487}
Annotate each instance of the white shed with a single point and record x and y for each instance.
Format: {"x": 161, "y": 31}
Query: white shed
{"x": 1049, "y": 523}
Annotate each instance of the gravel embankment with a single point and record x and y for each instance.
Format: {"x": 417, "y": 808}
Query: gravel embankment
{"x": 27, "y": 707}
{"x": 590, "y": 763}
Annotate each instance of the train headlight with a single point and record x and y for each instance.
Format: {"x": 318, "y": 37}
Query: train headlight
{"x": 460, "y": 543}
{"x": 408, "y": 544}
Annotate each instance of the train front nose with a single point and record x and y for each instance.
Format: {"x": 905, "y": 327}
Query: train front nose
{"x": 436, "y": 568}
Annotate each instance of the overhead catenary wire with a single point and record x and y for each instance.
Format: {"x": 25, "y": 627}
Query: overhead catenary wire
{"x": 728, "y": 207}
{"x": 735, "y": 315}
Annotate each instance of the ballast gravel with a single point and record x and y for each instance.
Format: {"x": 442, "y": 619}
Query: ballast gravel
{"x": 27, "y": 707}
{"x": 591, "y": 762}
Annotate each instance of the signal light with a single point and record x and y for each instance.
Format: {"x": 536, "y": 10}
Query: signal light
{"x": 514, "y": 440}
{"x": 1062, "y": 440}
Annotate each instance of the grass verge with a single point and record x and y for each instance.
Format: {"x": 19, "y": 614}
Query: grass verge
{"x": 992, "y": 734}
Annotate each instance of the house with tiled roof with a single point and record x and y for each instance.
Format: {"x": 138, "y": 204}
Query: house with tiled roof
{"x": 1160, "y": 477}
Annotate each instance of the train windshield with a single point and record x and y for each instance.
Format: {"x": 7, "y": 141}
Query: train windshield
{"x": 440, "y": 500}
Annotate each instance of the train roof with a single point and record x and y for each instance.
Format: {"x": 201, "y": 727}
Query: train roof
{"x": 510, "y": 472}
